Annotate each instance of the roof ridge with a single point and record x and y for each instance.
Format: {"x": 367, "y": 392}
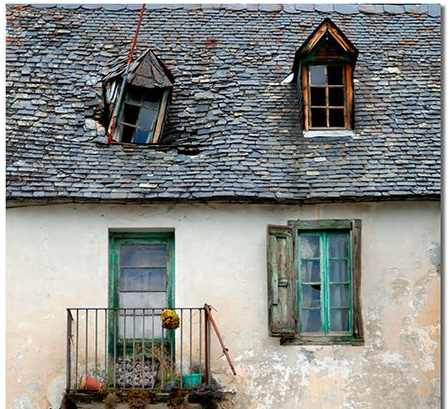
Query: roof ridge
{"x": 431, "y": 9}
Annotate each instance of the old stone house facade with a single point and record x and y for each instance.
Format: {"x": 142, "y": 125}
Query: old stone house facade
{"x": 278, "y": 162}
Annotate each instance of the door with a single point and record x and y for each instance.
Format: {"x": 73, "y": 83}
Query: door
{"x": 140, "y": 287}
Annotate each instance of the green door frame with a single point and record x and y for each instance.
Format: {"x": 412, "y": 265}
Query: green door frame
{"x": 119, "y": 238}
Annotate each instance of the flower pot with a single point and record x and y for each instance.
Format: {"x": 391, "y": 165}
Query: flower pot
{"x": 191, "y": 380}
{"x": 90, "y": 383}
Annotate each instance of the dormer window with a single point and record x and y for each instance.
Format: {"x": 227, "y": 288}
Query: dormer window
{"x": 139, "y": 115}
{"x": 138, "y": 99}
{"x": 323, "y": 69}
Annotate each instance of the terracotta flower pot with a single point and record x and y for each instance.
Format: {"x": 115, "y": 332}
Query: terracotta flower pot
{"x": 90, "y": 383}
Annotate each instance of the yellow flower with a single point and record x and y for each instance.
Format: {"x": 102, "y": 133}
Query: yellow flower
{"x": 170, "y": 319}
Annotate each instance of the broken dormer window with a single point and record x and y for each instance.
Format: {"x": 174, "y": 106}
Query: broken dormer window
{"x": 323, "y": 68}
{"x": 137, "y": 99}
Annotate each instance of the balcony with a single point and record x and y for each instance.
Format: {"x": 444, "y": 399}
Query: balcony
{"x": 129, "y": 348}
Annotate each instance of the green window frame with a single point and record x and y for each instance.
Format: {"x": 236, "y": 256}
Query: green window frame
{"x": 296, "y": 273}
{"x": 312, "y": 282}
{"x": 117, "y": 239}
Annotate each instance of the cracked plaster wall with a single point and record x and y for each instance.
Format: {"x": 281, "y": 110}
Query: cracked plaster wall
{"x": 57, "y": 257}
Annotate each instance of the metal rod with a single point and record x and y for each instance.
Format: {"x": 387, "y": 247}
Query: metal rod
{"x": 133, "y": 350}
{"x": 200, "y": 338}
{"x": 115, "y": 329}
{"x": 96, "y": 340}
{"x": 152, "y": 341}
{"x": 181, "y": 346}
{"x": 77, "y": 345}
{"x": 124, "y": 343}
{"x": 225, "y": 350}
{"x": 207, "y": 347}
{"x": 106, "y": 330}
{"x": 162, "y": 359}
{"x": 191, "y": 339}
{"x": 143, "y": 349}
{"x": 87, "y": 340}
{"x": 113, "y": 121}
{"x": 68, "y": 369}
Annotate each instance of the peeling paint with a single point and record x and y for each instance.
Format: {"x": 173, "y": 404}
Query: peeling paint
{"x": 397, "y": 368}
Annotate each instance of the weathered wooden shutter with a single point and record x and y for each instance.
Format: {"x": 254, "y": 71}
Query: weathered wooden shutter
{"x": 356, "y": 261}
{"x": 281, "y": 281}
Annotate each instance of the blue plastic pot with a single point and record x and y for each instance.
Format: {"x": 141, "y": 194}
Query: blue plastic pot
{"x": 191, "y": 380}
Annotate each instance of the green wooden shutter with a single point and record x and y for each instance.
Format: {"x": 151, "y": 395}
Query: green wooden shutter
{"x": 281, "y": 281}
{"x": 356, "y": 272}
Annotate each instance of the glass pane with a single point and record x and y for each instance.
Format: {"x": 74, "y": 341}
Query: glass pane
{"x": 311, "y": 295}
{"x": 141, "y": 136}
{"x": 336, "y": 96}
{"x": 152, "y": 325}
{"x": 147, "y": 116}
{"x": 309, "y": 246}
{"x": 311, "y": 321}
{"x": 127, "y": 133}
{"x": 318, "y": 117}
{"x": 338, "y": 245}
{"x": 133, "y": 96}
{"x": 337, "y": 118}
{"x": 153, "y": 279}
{"x": 143, "y": 255}
{"x": 140, "y": 300}
{"x": 339, "y": 295}
{"x": 310, "y": 271}
{"x": 334, "y": 75}
{"x": 130, "y": 114}
{"x": 339, "y": 320}
{"x": 317, "y": 74}
{"x": 151, "y": 97}
{"x": 318, "y": 96}
{"x": 339, "y": 271}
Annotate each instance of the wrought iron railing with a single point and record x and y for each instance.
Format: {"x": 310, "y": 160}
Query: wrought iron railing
{"x": 129, "y": 348}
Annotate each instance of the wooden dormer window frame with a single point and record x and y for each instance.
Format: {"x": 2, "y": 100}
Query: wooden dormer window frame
{"x": 323, "y": 69}
{"x": 328, "y": 105}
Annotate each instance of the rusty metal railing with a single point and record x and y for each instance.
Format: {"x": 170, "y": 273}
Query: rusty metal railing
{"x": 129, "y": 348}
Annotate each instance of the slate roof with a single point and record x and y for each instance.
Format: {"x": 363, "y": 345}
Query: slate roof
{"x": 233, "y": 130}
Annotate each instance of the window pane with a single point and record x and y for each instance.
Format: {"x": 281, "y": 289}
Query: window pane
{"x": 336, "y": 96}
{"x": 309, "y": 246}
{"x": 143, "y": 255}
{"x": 133, "y": 96}
{"x": 152, "y": 325}
{"x": 338, "y": 271}
{"x": 127, "y": 133}
{"x": 141, "y": 136}
{"x": 339, "y": 320}
{"x": 147, "y": 116}
{"x": 130, "y": 114}
{"x": 338, "y": 245}
{"x": 318, "y": 96}
{"x": 311, "y": 295}
{"x": 139, "y": 300}
{"x": 339, "y": 295}
{"x": 310, "y": 320}
{"x": 310, "y": 271}
{"x": 317, "y": 74}
{"x": 152, "y": 279}
{"x": 334, "y": 75}
{"x": 337, "y": 118}
{"x": 318, "y": 117}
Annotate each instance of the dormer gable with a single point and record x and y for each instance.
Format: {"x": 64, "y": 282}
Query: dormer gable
{"x": 142, "y": 92}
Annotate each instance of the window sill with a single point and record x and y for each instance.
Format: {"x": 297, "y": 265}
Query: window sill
{"x": 322, "y": 340}
{"x": 329, "y": 134}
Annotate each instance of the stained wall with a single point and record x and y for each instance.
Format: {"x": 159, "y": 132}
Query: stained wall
{"x": 57, "y": 257}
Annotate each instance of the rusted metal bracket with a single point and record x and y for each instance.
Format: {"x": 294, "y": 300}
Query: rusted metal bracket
{"x": 209, "y": 317}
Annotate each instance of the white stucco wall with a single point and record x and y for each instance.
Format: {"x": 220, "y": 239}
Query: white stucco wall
{"x": 57, "y": 256}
